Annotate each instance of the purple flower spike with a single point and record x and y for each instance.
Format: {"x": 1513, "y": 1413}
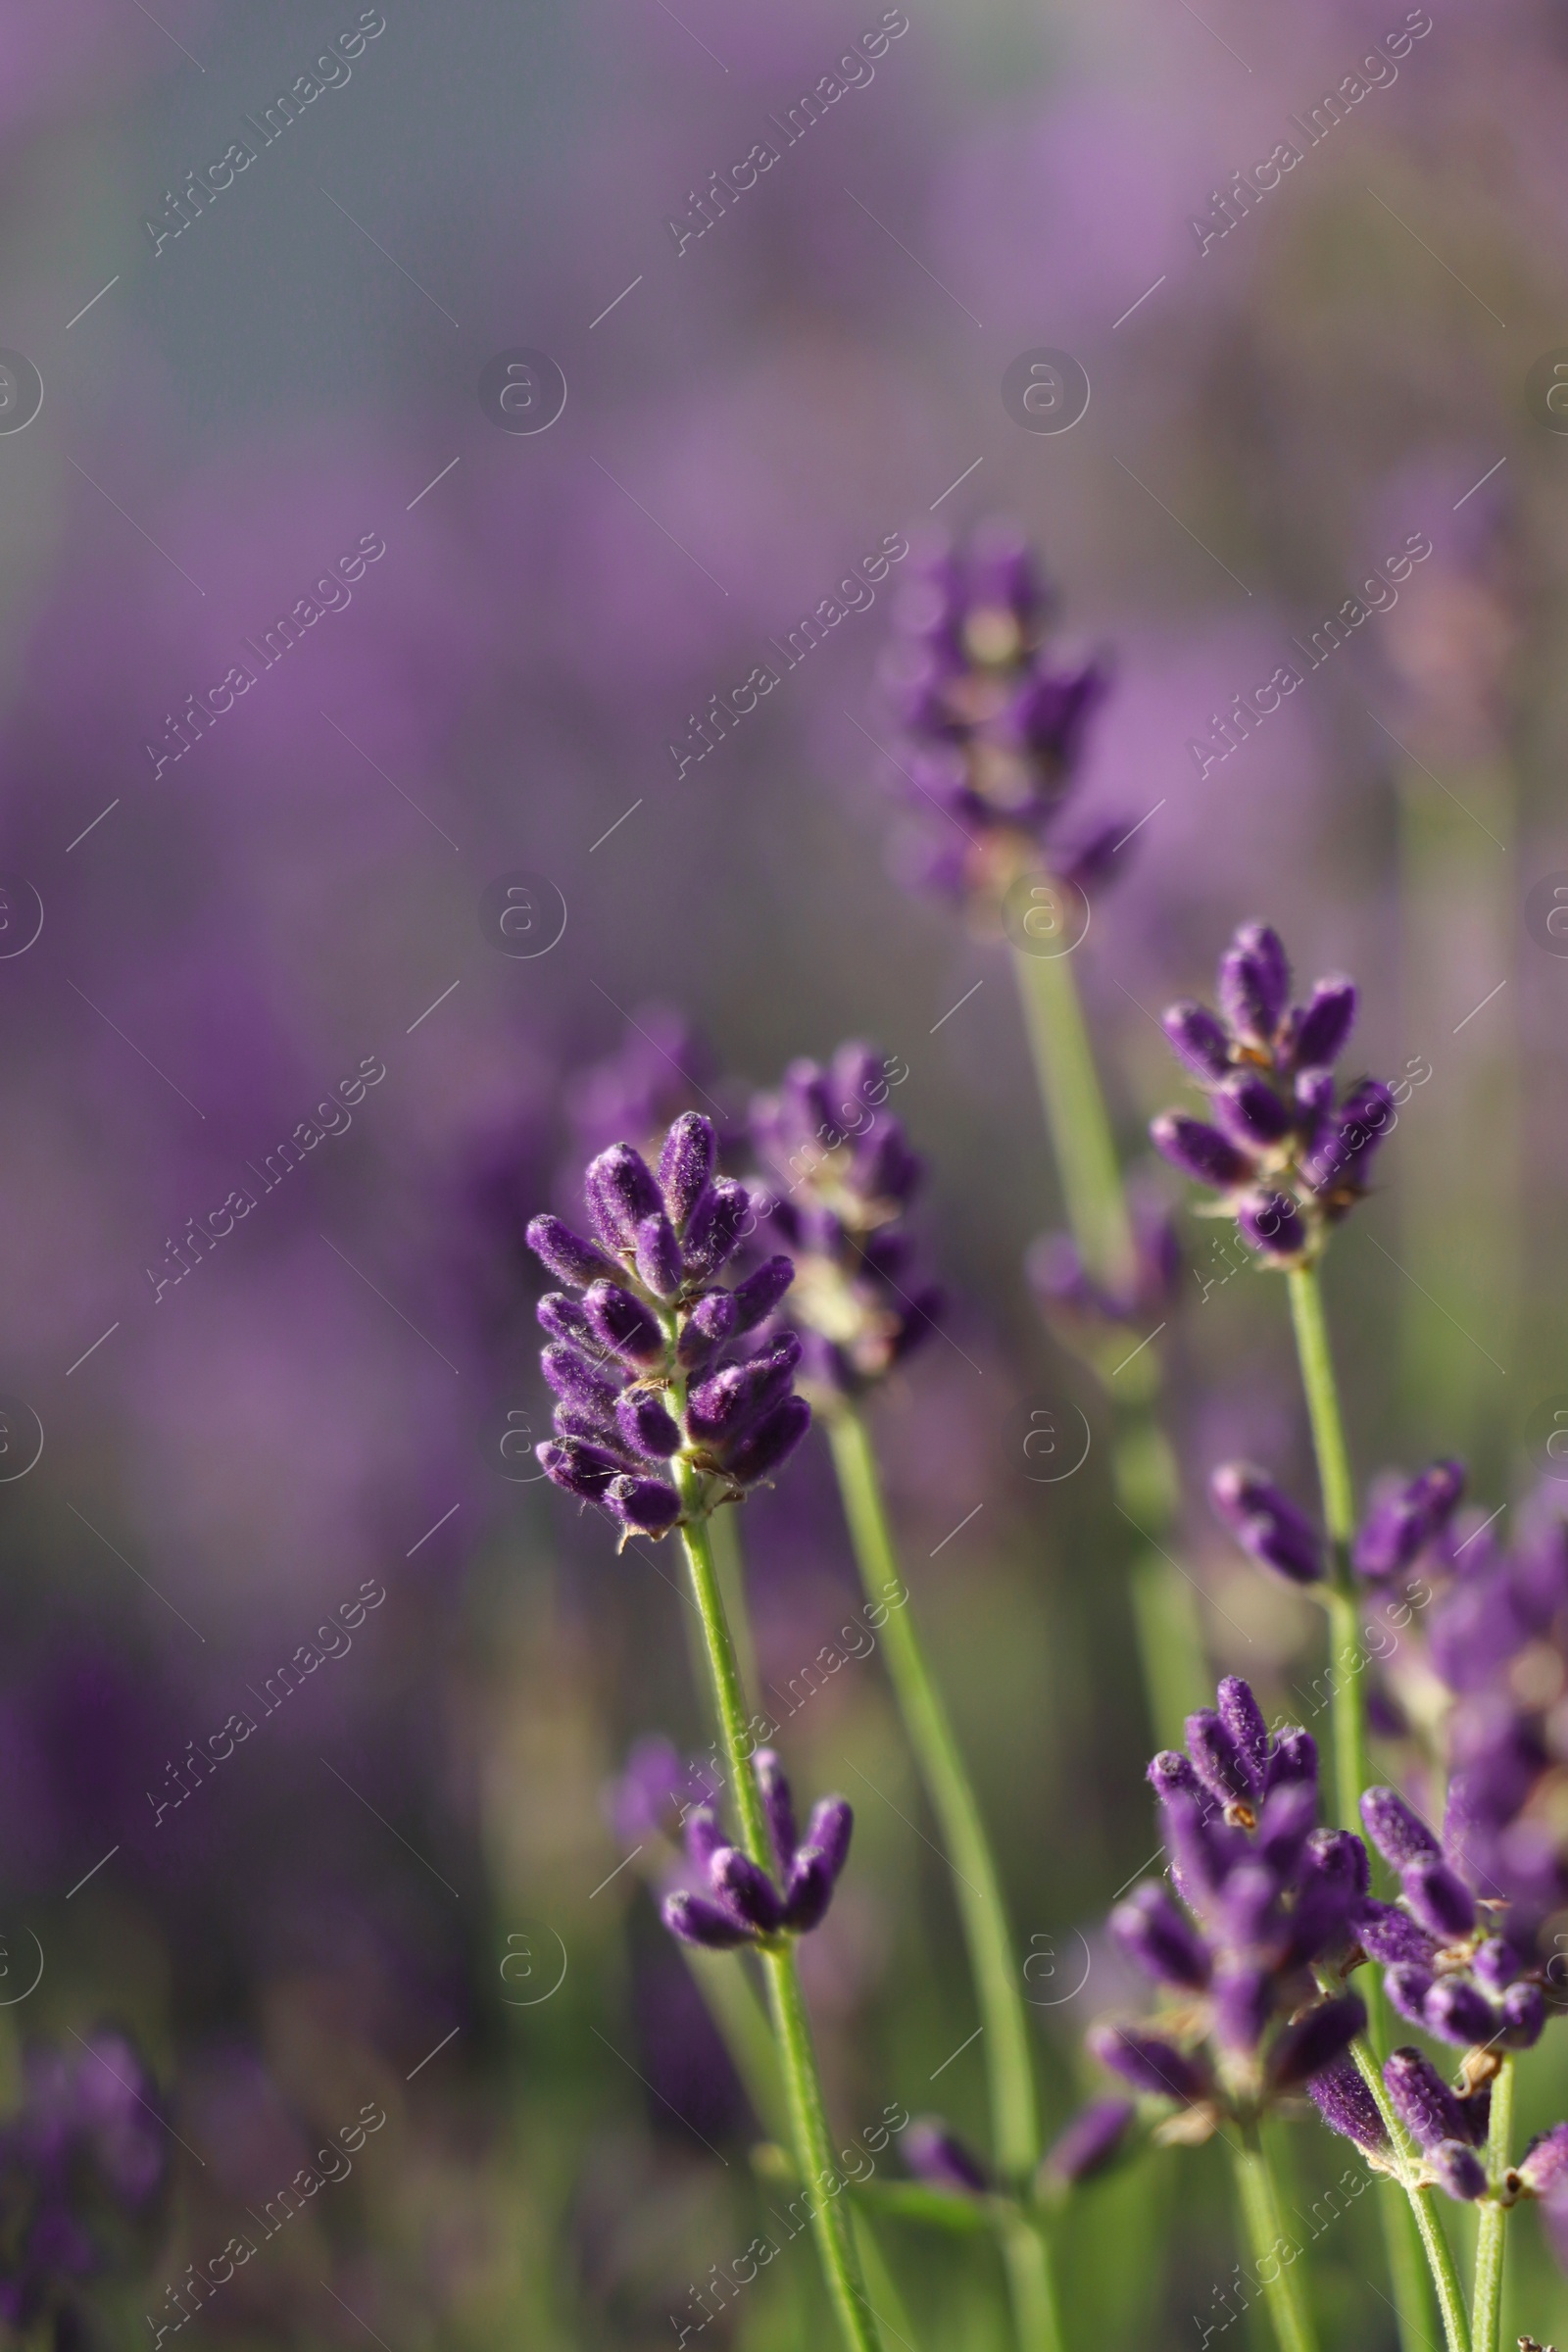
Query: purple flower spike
{"x": 1314, "y": 2040}
{"x": 1296, "y": 1159}
{"x": 1423, "y": 2102}
{"x": 936, "y": 2155}
{"x": 1092, "y": 2141}
{"x": 1459, "y": 2171}
{"x": 1150, "y": 2063}
{"x": 1400, "y": 1836}
{"x": 746, "y": 1906}
{"x": 1266, "y": 1523}
{"x": 1346, "y": 2104}
{"x": 1255, "y": 983}
{"x": 1197, "y": 1039}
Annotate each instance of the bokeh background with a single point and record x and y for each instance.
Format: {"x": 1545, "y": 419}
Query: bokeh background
{"x": 370, "y": 1900}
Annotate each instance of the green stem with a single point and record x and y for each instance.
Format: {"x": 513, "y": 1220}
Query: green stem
{"x": 1075, "y": 1112}
{"x": 1435, "y": 2245}
{"x": 976, "y": 1881}
{"x": 803, "y": 2083}
{"x": 1261, "y": 2208}
{"x": 977, "y": 1886}
{"x": 1347, "y": 1656}
{"x": 1487, "y": 2333}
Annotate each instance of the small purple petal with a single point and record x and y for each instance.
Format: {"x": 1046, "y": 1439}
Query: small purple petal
{"x": 1423, "y": 2102}
{"x": 1271, "y": 1223}
{"x": 756, "y": 1296}
{"x": 1092, "y": 2140}
{"x": 1199, "y": 1151}
{"x": 623, "y": 1324}
{"x": 809, "y": 1890}
{"x": 829, "y": 1830}
{"x": 658, "y": 1255}
{"x": 1440, "y": 1899}
{"x": 743, "y": 1884}
{"x": 686, "y": 1165}
{"x": 1197, "y": 1039}
{"x": 937, "y": 2155}
{"x": 1459, "y": 2011}
{"x": 1242, "y": 1717}
{"x": 1250, "y": 1114}
{"x": 569, "y": 1258}
{"x": 1399, "y": 1836}
{"x": 1216, "y": 1758}
{"x": 1255, "y": 983}
{"x": 777, "y": 1804}
{"x": 1346, "y": 2105}
{"x": 1460, "y": 2173}
{"x": 1391, "y": 1936}
{"x": 1544, "y": 2166}
{"x": 645, "y": 1507}
{"x": 695, "y": 1920}
{"x": 1266, "y": 1523}
{"x": 647, "y": 1425}
{"x": 1315, "y": 2040}
{"x": 1159, "y": 1940}
{"x": 1323, "y": 1029}
{"x": 1149, "y": 2062}
{"x": 1524, "y": 2015}
{"x": 621, "y": 1193}
{"x": 1244, "y": 2004}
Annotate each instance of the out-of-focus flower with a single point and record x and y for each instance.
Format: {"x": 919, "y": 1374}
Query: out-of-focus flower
{"x": 1287, "y": 1154}
{"x": 839, "y": 1177}
{"x": 1087, "y": 1314}
{"x": 81, "y": 2167}
{"x": 935, "y": 2154}
{"x": 995, "y": 722}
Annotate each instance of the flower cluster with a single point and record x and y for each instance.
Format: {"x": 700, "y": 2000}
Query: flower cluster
{"x": 743, "y": 1902}
{"x": 1403, "y": 1520}
{"x": 1451, "y": 1961}
{"x": 81, "y": 2165}
{"x": 996, "y": 727}
{"x": 839, "y": 1177}
{"x": 668, "y": 1406}
{"x": 1266, "y": 1896}
{"x": 1447, "y": 2126}
{"x": 1287, "y": 1155}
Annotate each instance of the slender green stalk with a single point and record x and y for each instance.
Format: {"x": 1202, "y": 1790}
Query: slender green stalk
{"x": 1276, "y": 2274}
{"x": 1419, "y": 2209}
{"x": 977, "y": 1886}
{"x": 1486, "y": 2317}
{"x": 1075, "y": 1112}
{"x": 1322, "y": 1401}
{"x": 813, "y": 2144}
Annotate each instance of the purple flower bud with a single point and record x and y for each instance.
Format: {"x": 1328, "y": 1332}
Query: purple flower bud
{"x": 704, "y": 1835}
{"x": 1496, "y": 1963}
{"x": 1170, "y": 1773}
{"x": 1407, "y": 1984}
{"x": 695, "y": 1920}
{"x": 1524, "y": 2016}
{"x": 1271, "y": 1223}
{"x": 1284, "y": 1825}
{"x": 1323, "y": 1028}
{"x": 1159, "y": 1940}
{"x": 809, "y": 1890}
{"x": 686, "y": 1165}
{"x": 659, "y": 1258}
{"x": 1440, "y": 1899}
{"x": 568, "y": 1256}
{"x": 1255, "y": 983}
{"x": 1149, "y": 2062}
{"x": 1216, "y": 1758}
{"x": 645, "y": 1507}
{"x": 1423, "y": 2102}
{"x": 770, "y": 1443}
{"x": 713, "y": 1228}
{"x": 1199, "y": 1151}
{"x": 1457, "y": 2011}
{"x": 1339, "y": 1856}
{"x": 1248, "y": 1111}
{"x": 1543, "y": 2167}
{"x": 1397, "y": 1529}
{"x": 1295, "y": 1757}
{"x": 828, "y": 1830}
{"x": 1197, "y": 1039}
{"x": 937, "y": 2155}
{"x": 1460, "y": 2173}
{"x": 1090, "y": 2142}
{"x": 621, "y": 1193}
{"x": 1242, "y": 1717}
{"x": 777, "y": 1804}
{"x": 1346, "y": 2105}
{"x": 708, "y": 1324}
{"x": 1315, "y": 2040}
{"x": 579, "y": 1467}
{"x": 756, "y": 1296}
{"x": 1360, "y": 1123}
{"x": 1391, "y": 1936}
{"x": 1266, "y": 1523}
{"x": 564, "y": 1319}
{"x": 743, "y": 1884}
{"x": 576, "y": 1381}
{"x": 1244, "y": 2004}
{"x": 1399, "y": 1836}
{"x": 648, "y": 1428}
{"x": 623, "y": 1324}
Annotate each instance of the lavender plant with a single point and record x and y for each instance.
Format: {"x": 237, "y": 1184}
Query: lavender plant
{"x": 665, "y": 1415}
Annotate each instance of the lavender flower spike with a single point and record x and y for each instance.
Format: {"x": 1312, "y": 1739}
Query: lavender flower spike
{"x": 1287, "y": 1157}
{"x": 670, "y": 1405}
{"x": 742, "y": 1903}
